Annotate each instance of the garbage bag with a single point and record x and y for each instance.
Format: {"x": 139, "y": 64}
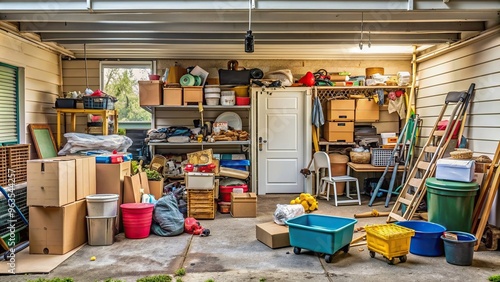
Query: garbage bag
{"x": 167, "y": 219}
{"x": 286, "y": 212}
{"x": 80, "y": 142}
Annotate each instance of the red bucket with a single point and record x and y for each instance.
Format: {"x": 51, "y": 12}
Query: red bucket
{"x": 137, "y": 218}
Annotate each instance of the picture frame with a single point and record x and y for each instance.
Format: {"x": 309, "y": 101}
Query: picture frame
{"x": 43, "y": 140}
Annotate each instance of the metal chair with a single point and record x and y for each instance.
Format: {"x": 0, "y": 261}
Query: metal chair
{"x": 321, "y": 160}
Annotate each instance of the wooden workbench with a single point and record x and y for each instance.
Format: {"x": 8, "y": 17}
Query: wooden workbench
{"x": 104, "y": 113}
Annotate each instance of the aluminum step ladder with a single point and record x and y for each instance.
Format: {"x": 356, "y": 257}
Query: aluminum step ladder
{"x": 414, "y": 188}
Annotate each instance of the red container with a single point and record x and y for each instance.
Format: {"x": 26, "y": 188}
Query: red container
{"x": 242, "y": 101}
{"x": 225, "y": 191}
{"x": 137, "y": 218}
{"x": 154, "y": 77}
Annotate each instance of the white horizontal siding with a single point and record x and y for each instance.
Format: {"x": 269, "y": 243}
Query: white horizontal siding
{"x": 42, "y": 80}
{"x": 454, "y": 71}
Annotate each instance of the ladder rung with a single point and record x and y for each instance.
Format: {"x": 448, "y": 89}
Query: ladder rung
{"x": 415, "y": 182}
{"x": 439, "y": 132}
{"x": 405, "y": 201}
{"x": 423, "y": 165}
{"x": 430, "y": 149}
{"x": 396, "y": 216}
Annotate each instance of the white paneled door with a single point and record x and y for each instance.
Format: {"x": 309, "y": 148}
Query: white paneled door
{"x": 283, "y": 121}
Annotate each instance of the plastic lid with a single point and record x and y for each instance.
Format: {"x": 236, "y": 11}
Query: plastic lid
{"x": 451, "y": 185}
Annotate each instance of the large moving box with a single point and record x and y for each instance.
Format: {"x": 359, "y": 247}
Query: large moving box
{"x": 340, "y": 110}
{"x": 367, "y": 111}
{"x": 57, "y": 230}
{"x": 85, "y": 175}
{"x": 51, "y": 182}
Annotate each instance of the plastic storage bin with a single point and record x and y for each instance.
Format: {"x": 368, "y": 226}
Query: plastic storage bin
{"x": 390, "y": 240}
{"x": 225, "y": 191}
{"x": 235, "y": 164}
{"x": 321, "y": 233}
{"x": 103, "y": 103}
{"x": 227, "y": 98}
{"x": 451, "y": 203}
{"x": 102, "y": 205}
{"x": 380, "y": 157}
{"x": 427, "y": 240}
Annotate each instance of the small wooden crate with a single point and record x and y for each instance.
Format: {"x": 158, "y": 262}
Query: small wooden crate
{"x": 201, "y": 204}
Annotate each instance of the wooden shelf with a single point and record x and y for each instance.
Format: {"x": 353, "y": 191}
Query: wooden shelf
{"x": 363, "y": 87}
{"x": 192, "y": 107}
{"x": 218, "y": 143}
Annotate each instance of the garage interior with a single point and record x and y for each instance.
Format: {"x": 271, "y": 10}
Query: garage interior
{"x": 57, "y": 47}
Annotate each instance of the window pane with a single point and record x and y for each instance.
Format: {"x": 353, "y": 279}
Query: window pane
{"x": 121, "y": 81}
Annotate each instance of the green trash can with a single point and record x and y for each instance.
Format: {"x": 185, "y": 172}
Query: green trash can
{"x": 451, "y": 203}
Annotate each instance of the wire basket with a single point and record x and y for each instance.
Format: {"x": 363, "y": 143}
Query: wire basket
{"x": 381, "y": 157}
{"x": 461, "y": 154}
{"x": 102, "y": 103}
{"x": 360, "y": 157}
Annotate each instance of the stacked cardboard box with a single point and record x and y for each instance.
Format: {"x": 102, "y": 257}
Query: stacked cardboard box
{"x": 243, "y": 204}
{"x": 57, "y": 189}
{"x": 367, "y": 110}
{"x": 111, "y": 181}
{"x": 340, "y": 121}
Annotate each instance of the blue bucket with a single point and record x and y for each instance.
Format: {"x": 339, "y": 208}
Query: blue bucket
{"x": 427, "y": 240}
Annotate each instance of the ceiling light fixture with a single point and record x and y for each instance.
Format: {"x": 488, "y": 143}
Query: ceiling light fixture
{"x": 249, "y": 40}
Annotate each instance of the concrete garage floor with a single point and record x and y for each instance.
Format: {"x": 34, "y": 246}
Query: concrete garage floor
{"x": 232, "y": 253}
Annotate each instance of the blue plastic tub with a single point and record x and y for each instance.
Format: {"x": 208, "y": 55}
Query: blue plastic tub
{"x": 427, "y": 240}
{"x": 321, "y": 233}
{"x": 235, "y": 164}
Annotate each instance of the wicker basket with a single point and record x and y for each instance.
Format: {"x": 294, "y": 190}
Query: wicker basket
{"x": 360, "y": 157}
{"x": 461, "y": 154}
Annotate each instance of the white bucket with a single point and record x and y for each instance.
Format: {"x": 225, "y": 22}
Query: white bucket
{"x": 212, "y": 101}
{"x": 99, "y": 205}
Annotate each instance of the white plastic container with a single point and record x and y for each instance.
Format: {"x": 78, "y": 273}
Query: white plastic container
{"x": 212, "y": 99}
{"x": 455, "y": 170}
{"x": 100, "y": 230}
{"x": 227, "y": 98}
{"x": 102, "y": 205}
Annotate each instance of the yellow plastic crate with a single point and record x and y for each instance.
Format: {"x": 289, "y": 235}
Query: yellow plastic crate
{"x": 389, "y": 240}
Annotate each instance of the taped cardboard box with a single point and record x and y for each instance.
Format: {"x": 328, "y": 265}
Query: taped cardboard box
{"x": 51, "y": 182}
{"x": 57, "y": 230}
{"x": 273, "y": 235}
{"x": 85, "y": 175}
{"x": 243, "y": 204}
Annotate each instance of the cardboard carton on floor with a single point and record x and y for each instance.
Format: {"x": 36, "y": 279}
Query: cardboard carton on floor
{"x": 85, "y": 175}
{"x": 51, "y": 182}
{"x": 273, "y": 235}
{"x": 243, "y": 204}
{"x": 57, "y": 230}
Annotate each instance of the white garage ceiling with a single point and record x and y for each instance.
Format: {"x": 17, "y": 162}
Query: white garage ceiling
{"x": 282, "y": 29}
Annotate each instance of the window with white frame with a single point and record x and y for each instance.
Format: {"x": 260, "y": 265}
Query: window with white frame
{"x": 121, "y": 80}
{"x": 9, "y": 104}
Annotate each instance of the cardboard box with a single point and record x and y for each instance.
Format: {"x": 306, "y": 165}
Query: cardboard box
{"x": 339, "y": 126}
{"x": 84, "y": 175}
{"x": 338, "y": 136}
{"x": 172, "y": 96}
{"x": 340, "y": 115}
{"x": 110, "y": 181}
{"x": 273, "y": 235}
{"x": 51, "y": 182}
{"x": 192, "y": 94}
{"x": 156, "y": 188}
{"x": 455, "y": 170}
{"x": 341, "y": 105}
{"x": 367, "y": 111}
{"x": 243, "y": 204}
{"x": 150, "y": 92}
{"x": 57, "y": 230}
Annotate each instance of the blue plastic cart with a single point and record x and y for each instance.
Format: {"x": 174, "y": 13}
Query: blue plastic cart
{"x": 321, "y": 233}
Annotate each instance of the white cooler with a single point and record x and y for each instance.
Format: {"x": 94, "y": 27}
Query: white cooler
{"x": 455, "y": 170}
